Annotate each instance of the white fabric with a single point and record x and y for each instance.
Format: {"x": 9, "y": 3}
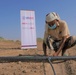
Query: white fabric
{"x": 52, "y": 16}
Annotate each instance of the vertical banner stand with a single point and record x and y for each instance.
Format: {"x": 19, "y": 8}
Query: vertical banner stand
{"x": 28, "y": 29}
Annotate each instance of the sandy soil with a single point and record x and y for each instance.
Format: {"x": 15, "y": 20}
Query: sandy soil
{"x": 12, "y": 48}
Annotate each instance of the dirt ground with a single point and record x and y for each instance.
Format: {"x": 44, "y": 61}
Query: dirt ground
{"x": 13, "y": 48}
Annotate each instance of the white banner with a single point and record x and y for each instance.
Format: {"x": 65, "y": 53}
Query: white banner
{"x": 28, "y": 29}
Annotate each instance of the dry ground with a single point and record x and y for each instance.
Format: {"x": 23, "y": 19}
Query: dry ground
{"x": 12, "y": 48}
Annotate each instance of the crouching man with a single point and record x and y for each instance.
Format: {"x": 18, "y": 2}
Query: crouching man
{"x": 57, "y": 35}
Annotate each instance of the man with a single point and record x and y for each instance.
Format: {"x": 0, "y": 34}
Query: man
{"x": 57, "y": 35}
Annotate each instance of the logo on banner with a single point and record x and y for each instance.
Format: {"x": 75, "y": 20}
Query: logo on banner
{"x": 27, "y": 17}
{"x": 23, "y": 18}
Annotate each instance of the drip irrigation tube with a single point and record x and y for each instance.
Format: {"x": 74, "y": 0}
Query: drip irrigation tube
{"x": 35, "y": 58}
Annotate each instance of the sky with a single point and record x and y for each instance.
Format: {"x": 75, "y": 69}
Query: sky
{"x": 10, "y": 26}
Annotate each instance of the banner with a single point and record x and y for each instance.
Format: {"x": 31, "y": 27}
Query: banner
{"x": 28, "y": 29}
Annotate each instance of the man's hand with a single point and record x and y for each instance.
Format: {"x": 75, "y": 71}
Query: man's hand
{"x": 55, "y": 54}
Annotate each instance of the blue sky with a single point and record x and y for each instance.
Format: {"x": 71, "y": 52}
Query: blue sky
{"x": 10, "y": 15}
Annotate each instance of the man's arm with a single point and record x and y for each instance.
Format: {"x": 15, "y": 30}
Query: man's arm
{"x": 61, "y": 46}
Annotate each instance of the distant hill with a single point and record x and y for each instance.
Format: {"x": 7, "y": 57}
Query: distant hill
{"x": 1, "y": 38}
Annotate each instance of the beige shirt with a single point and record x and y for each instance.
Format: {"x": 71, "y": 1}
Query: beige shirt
{"x": 59, "y": 32}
